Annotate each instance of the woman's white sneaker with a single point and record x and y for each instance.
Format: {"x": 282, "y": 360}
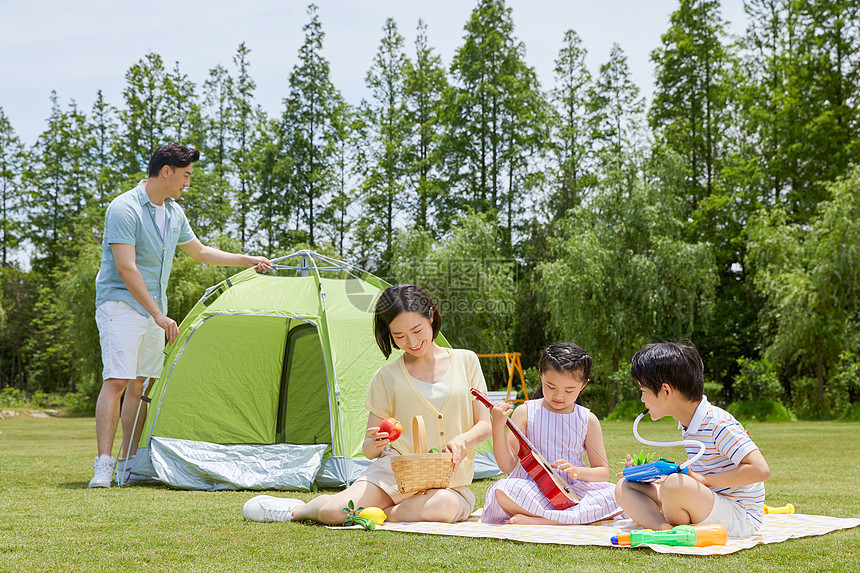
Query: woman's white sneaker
{"x": 267, "y": 508}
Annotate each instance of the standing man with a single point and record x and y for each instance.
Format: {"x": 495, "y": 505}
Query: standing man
{"x": 142, "y": 228}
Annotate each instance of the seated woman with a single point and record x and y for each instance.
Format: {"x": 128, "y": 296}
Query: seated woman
{"x": 427, "y": 380}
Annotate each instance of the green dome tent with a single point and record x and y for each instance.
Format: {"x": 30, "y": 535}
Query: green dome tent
{"x": 264, "y": 388}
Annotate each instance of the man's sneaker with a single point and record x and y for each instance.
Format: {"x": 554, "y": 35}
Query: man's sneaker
{"x": 102, "y": 471}
{"x": 123, "y": 470}
{"x": 267, "y": 508}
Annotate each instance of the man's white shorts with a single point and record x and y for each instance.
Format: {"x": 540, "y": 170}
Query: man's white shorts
{"x": 132, "y": 344}
{"x": 731, "y": 515}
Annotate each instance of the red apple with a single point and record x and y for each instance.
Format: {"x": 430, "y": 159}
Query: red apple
{"x": 391, "y": 426}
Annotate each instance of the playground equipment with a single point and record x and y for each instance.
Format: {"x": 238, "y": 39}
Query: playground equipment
{"x": 513, "y": 364}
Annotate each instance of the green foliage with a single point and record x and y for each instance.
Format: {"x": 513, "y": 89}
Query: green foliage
{"x": 851, "y": 413}
{"x": 500, "y": 124}
{"x": 805, "y": 401}
{"x": 642, "y": 458}
{"x": 617, "y": 115}
{"x": 847, "y": 379}
{"x": 308, "y": 144}
{"x": 143, "y": 118}
{"x": 756, "y": 380}
{"x": 425, "y": 85}
{"x": 352, "y": 517}
{"x": 58, "y": 187}
{"x": 12, "y": 158}
{"x": 626, "y": 410}
{"x": 759, "y": 411}
{"x": 689, "y": 111}
{"x": 533, "y": 381}
{"x": 714, "y": 392}
{"x": 12, "y": 398}
{"x": 620, "y": 274}
{"x": 470, "y": 280}
{"x": 810, "y": 277}
{"x": 385, "y": 121}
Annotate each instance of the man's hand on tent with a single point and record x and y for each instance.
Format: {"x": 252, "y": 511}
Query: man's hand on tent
{"x": 169, "y": 326}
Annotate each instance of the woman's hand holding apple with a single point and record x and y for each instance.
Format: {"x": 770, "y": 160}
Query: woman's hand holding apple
{"x": 378, "y": 441}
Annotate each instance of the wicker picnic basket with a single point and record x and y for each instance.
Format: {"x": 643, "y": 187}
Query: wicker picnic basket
{"x": 421, "y": 471}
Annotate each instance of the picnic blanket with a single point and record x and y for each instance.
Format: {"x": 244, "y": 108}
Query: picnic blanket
{"x": 776, "y": 528}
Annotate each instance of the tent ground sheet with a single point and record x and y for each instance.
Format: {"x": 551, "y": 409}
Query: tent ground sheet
{"x": 776, "y": 528}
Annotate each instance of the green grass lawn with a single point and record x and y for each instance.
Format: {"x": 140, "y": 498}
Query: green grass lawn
{"x": 50, "y": 521}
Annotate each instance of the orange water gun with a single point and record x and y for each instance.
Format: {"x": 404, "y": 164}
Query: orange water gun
{"x": 681, "y": 535}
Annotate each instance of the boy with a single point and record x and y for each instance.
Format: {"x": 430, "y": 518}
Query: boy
{"x": 725, "y": 485}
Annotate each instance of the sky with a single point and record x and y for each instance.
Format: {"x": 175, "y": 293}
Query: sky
{"x": 78, "y": 47}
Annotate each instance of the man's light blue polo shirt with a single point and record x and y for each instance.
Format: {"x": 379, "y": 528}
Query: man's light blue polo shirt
{"x": 130, "y": 220}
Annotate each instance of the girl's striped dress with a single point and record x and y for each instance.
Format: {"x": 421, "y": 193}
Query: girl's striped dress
{"x": 556, "y": 437}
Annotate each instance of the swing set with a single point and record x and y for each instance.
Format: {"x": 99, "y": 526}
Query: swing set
{"x": 513, "y": 364}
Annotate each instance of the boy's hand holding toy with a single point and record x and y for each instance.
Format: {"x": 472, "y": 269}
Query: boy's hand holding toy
{"x": 654, "y": 471}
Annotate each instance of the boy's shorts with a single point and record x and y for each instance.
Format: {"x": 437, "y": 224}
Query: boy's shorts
{"x": 731, "y": 515}
{"x": 132, "y": 344}
{"x": 380, "y": 474}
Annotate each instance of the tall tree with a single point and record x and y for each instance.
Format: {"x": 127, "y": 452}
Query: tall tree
{"x": 617, "y": 108}
{"x": 499, "y": 111}
{"x": 336, "y": 216}
{"x": 620, "y": 274}
{"x": 272, "y": 202}
{"x": 246, "y": 117}
{"x": 826, "y": 91}
{"x": 144, "y": 117}
{"x": 104, "y": 154}
{"x": 387, "y": 128}
{"x": 573, "y": 127}
{"x": 809, "y": 275}
{"x": 691, "y": 93}
{"x": 59, "y": 184}
{"x": 218, "y": 149}
{"x": 801, "y": 97}
{"x": 424, "y": 89}
{"x": 182, "y": 117}
{"x": 12, "y": 161}
{"x": 691, "y": 117}
{"x": 308, "y": 127}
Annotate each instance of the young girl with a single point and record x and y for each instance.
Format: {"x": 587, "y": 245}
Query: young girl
{"x": 561, "y": 430}
{"x": 427, "y": 380}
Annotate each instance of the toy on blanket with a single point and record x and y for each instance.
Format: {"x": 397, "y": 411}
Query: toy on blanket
{"x": 784, "y": 509}
{"x": 681, "y": 535}
{"x": 653, "y": 471}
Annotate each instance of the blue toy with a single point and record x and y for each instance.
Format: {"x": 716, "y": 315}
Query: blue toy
{"x": 653, "y": 471}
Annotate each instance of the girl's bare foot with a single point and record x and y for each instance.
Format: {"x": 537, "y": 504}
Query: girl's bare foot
{"x": 520, "y": 519}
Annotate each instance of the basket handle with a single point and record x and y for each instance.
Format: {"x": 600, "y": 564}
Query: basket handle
{"x": 419, "y": 435}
